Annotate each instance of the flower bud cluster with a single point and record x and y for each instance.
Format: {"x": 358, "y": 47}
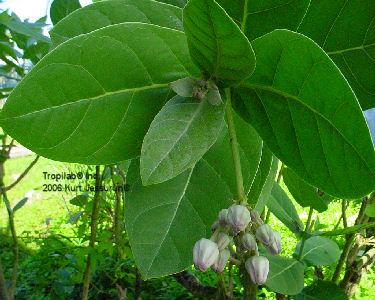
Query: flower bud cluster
{"x": 246, "y": 229}
{"x": 197, "y": 88}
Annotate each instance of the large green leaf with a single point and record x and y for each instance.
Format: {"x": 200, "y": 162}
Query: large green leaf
{"x": 267, "y": 187}
{"x": 352, "y": 48}
{"x": 101, "y": 14}
{"x": 178, "y": 137}
{"x": 305, "y": 194}
{"x": 260, "y": 17}
{"x": 165, "y": 220}
{"x": 285, "y": 275}
{"x": 319, "y": 251}
{"x": 260, "y": 179}
{"x": 61, "y": 8}
{"x": 250, "y": 148}
{"x": 322, "y": 290}
{"x": 283, "y": 208}
{"x": 306, "y": 112}
{"x": 178, "y": 3}
{"x": 217, "y": 46}
{"x": 79, "y": 105}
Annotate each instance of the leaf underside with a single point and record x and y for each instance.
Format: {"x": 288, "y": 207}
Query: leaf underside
{"x": 178, "y": 137}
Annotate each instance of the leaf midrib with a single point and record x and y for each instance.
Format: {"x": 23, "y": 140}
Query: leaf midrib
{"x": 190, "y": 122}
{"x": 293, "y": 97}
{"x": 131, "y": 90}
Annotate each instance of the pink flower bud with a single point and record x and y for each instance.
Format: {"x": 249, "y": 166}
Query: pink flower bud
{"x": 275, "y": 247}
{"x": 223, "y": 241}
{"x": 249, "y": 242}
{"x": 238, "y": 217}
{"x": 265, "y": 235}
{"x": 258, "y": 268}
{"x": 223, "y": 217}
{"x": 205, "y": 253}
{"x": 221, "y": 261}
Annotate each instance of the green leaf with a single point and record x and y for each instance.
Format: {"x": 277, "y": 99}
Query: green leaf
{"x": 217, "y": 46}
{"x": 79, "y": 200}
{"x": 285, "y": 275}
{"x": 78, "y": 105}
{"x": 75, "y": 217}
{"x": 260, "y": 17}
{"x": 102, "y": 14}
{"x": 179, "y": 136}
{"x": 305, "y": 194}
{"x": 61, "y": 8}
{"x": 263, "y": 171}
{"x": 178, "y": 3}
{"x": 370, "y": 210}
{"x": 283, "y": 208}
{"x": 31, "y": 30}
{"x": 165, "y": 220}
{"x": 348, "y": 230}
{"x": 306, "y": 112}
{"x": 250, "y": 148}
{"x": 20, "y": 204}
{"x": 319, "y": 251}
{"x": 322, "y": 290}
{"x": 267, "y": 187}
{"x": 352, "y": 48}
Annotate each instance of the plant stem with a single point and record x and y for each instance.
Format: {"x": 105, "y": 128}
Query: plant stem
{"x": 343, "y": 207}
{"x": 348, "y": 243}
{"x": 307, "y": 229}
{"x": 12, "y": 287}
{"x": 93, "y": 226}
{"x": 117, "y": 210}
{"x": 236, "y": 154}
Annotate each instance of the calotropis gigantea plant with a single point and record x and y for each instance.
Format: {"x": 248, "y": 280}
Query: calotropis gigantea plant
{"x": 286, "y": 81}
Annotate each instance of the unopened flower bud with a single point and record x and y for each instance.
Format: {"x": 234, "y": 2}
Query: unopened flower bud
{"x": 258, "y": 268}
{"x": 183, "y": 87}
{"x": 255, "y": 218}
{"x": 205, "y": 253}
{"x": 275, "y": 247}
{"x": 238, "y": 217}
{"x": 223, "y": 241}
{"x": 265, "y": 234}
{"x": 249, "y": 242}
{"x": 223, "y": 217}
{"x": 221, "y": 261}
{"x": 215, "y": 225}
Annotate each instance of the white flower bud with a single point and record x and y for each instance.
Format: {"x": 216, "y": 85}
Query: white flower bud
{"x": 223, "y": 217}
{"x": 258, "y": 268}
{"x": 215, "y": 225}
{"x": 249, "y": 242}
{"x": 255, "y": 218}
{"x": 223, "y": 241}
{"x": 183, "y": 87}
{"x": 238, "y": 217}
{"x": 221, "y": 261}
{"x": 275, "y": 247}
{"x": 205, "y": 253}
{"x": 265, "y": 235}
